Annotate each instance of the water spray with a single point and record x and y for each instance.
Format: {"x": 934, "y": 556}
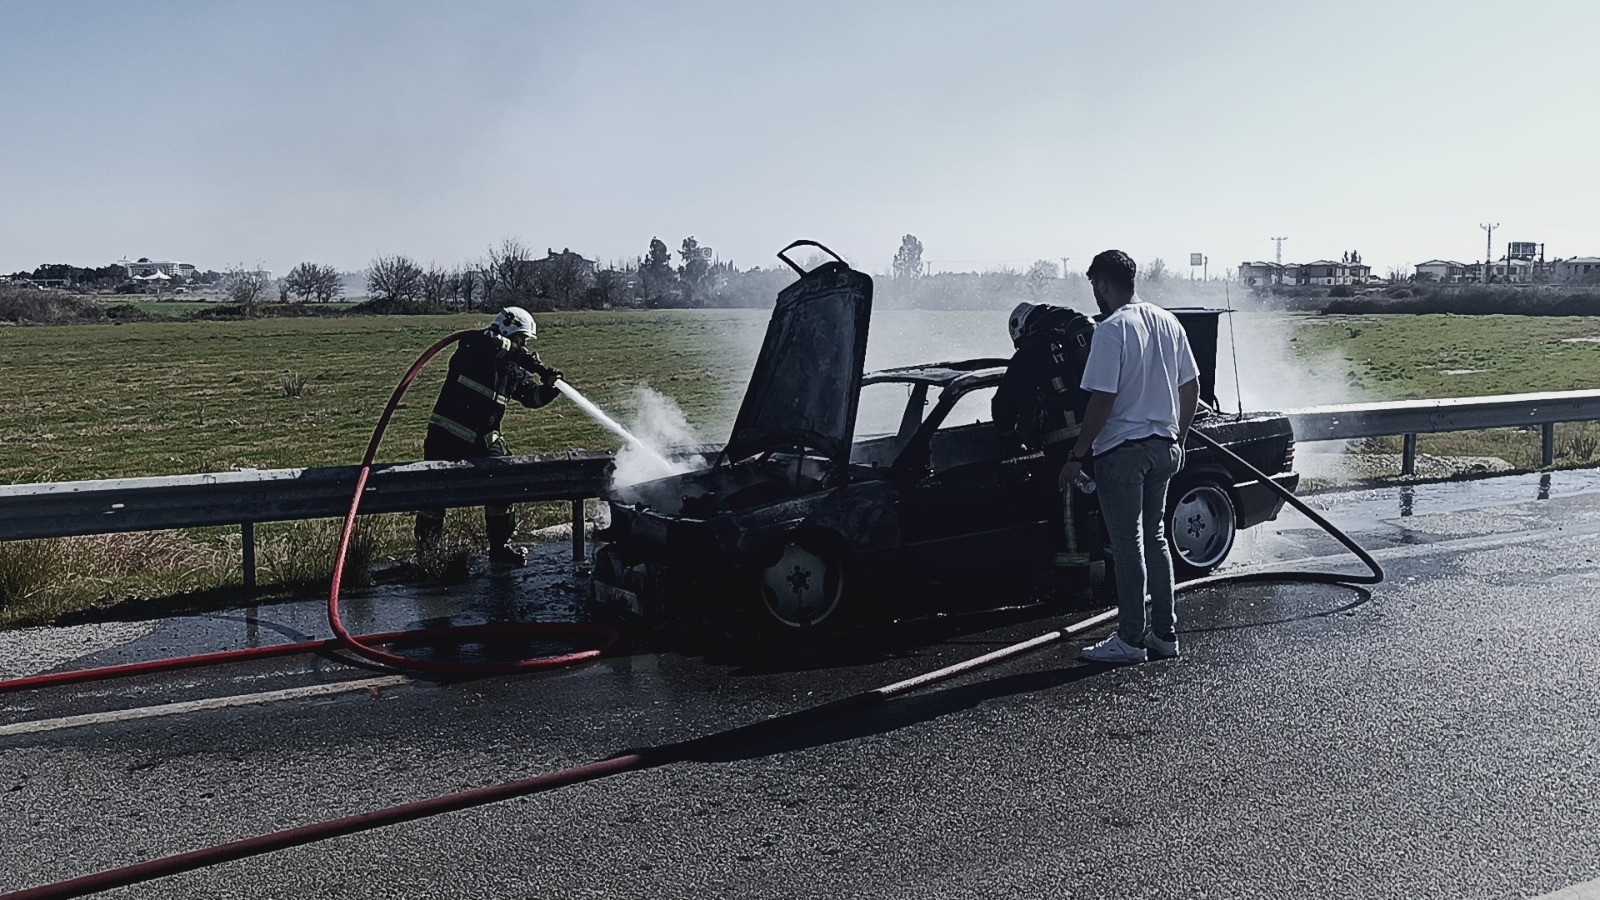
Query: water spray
{"x": 597, "y": 414}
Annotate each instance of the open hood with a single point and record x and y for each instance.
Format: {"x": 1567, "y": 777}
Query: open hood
{"x": 807, "y": 380}
{"x": 1201, "y": 326}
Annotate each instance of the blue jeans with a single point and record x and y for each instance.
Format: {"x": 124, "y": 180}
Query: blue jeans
{"x": 1133, "y": 481}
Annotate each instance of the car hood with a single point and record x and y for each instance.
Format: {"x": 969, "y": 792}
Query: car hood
{"x": 807, "y": 380}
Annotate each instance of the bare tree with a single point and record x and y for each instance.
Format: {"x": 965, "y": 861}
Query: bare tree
{"x": 435, "y": 286}
{"x": 246, "y": 287}
{"x": 394, "y": 278}
{"x": 1040, "y": 276}
{"x": 513, "y": 274}
{"x": 466, "y": 286}
{"x": 309, "y": 281}
{"x": 614, "y": 287}
{"x": 488, "y": 282}
{"x": 563, "y": 279}
{"x": 329, "y": 284}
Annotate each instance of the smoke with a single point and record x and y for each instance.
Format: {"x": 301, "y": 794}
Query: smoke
{"x": 1271, "y": 375}
{"x": 660, "y": 426}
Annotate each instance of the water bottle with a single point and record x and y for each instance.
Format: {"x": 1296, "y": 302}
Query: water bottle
{"x": 1083, "y": 482}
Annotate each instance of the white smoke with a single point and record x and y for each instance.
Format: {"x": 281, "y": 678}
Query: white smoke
{"x": 660, "y": 426}
{"x": 1271, "y": 375}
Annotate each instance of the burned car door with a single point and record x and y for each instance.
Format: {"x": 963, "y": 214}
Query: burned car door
{"x": 963, "y": 522}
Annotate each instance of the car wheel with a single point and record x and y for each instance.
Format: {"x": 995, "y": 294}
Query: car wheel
{"x": 802, "y": 589}
{"x": 1201, "y": 528}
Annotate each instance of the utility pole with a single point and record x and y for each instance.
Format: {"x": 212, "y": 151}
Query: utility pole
{"x": 1488, "y": 248}
{"x": 1279, "y": 241}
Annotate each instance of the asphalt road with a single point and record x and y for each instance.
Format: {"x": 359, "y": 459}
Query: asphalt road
{"x": 1434, "y": 737}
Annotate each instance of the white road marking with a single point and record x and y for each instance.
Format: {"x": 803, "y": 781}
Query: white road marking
{"x": 188, "y": 706}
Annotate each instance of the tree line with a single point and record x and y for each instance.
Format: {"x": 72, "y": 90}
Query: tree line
{"x": 513, "y": 274}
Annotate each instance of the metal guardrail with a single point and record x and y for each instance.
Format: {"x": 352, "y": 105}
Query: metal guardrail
{"x": 249, "y": 496}
{"x": 246, "y": 497}
{"x": 1413, "y": 417}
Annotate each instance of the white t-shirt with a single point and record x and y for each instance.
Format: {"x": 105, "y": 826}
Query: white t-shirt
{"x": 1141, "y": 354}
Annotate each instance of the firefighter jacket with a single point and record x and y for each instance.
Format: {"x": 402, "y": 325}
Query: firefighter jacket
{"x": 486, "y": 372}
{"x": 1040, "y": 401}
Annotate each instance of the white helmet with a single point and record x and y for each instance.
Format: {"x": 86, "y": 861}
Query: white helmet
{"x": 514, "y": 320}
{"x": 1019, "y": 320}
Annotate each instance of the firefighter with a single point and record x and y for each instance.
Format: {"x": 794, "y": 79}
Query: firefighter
{"x": 489, "y": 369}
{"x": 1039, "y": 405}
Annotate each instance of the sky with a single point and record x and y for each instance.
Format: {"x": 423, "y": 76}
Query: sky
{"x": 230, "y": 133}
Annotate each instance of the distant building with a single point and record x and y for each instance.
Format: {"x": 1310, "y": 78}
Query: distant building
{"x": 1257, "y": 274}
{"x": 1360, "y": 273}
{"x": 1325, "y": 272}
{"x": 144, "y": 266}
{"x": 1578, "y": 269}
{"x": 1444, "y": 271}
{"x": 1505, "y": 271}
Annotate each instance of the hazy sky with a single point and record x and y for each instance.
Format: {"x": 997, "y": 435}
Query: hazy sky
{"x": 221, "y": 133}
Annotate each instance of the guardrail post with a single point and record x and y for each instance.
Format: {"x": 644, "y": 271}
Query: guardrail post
{"x": 1408, "y": 456}
{"x": 1547, "y": 455}
{"x": 247, "y": 531}
{"x": 578, "y": 554}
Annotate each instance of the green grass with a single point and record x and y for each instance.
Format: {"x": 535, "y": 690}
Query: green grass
{"x": 1408, "y": 357}
{"x": 156, "y": 398}
{"x": 1405, "y": 357}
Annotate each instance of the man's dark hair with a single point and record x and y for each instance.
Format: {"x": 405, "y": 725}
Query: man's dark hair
{"x": 1114, "y": 266}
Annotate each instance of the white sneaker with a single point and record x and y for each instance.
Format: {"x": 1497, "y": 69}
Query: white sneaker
{"x": 1114, "y": 650}
{"x": 1160, "y": 649}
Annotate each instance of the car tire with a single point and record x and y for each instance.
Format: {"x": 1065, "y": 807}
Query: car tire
{"x": 803, "y": 588}
{"x": 1201, "y": 525}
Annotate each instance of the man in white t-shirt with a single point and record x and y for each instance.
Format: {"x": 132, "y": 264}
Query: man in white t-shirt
{"x": 1144, "y": 386}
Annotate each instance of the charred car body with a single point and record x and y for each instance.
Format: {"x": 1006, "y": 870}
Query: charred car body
{"x": 809, "y": 517}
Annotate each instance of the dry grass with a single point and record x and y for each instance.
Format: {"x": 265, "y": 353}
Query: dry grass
{"x": 294, "y": 385}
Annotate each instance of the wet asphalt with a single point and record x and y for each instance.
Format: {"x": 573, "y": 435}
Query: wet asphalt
{"x": 1434, "y": 736}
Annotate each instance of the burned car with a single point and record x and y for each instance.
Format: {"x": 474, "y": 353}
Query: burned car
{"x": 843, "y": 495}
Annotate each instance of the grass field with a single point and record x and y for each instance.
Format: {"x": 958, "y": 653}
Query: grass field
{"x": 104, "y": 401}
{"x": 1406, "y": 357}
{"x": 177, "y": 309}
{"x": 101, "y": 401}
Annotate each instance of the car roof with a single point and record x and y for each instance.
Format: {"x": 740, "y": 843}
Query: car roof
{"x": 940, "y": 374}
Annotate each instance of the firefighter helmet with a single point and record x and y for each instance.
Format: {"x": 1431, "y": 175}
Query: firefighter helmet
{"x": 514, "y": 320}
{"x": 1019, "y": 320}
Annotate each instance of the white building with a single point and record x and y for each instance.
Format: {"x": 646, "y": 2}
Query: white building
{"x": 1260, "y": 273}
{"x": 1444, "y": 271}
{"x": 1325, "y": 272}
{"x": 1513, "y": 271}
{"x": 1578, "y": 269}
{"x": 146, "y": 266}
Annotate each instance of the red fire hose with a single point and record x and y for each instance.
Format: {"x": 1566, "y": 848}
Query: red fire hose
{"x": 363, "y": 645}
